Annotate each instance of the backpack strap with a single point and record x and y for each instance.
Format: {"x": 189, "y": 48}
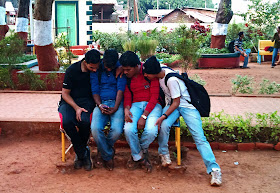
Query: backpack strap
{"x": 179, "y": 77}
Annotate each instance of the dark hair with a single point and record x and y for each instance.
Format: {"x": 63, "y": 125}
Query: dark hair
{"x": 240, "y": 33}
{"x": 129, "y": 59}
{"x": 279, "y": 27}
{"x": 151, "y": 66}
{"x": 110, "y": 58}
{"x": 92, "y": 56}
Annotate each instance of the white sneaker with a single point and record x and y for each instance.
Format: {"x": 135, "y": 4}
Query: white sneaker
{"x": 216, "y": 179}
{"x": 165, "y": 160}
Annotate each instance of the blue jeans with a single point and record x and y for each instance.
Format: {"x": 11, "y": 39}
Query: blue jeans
{"x": 274, "y": 55}
{"x": 246, "y": 59}
{"x": 193, "y": 120}
{"x": 105, "y": 144}
{"x": 150, "y": 131}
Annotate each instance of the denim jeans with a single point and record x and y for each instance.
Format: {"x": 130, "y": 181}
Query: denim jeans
{"x": 246, "y": 59}
{"x": 79, "y": 138}
{"x": 274, "y": 55}
{"x": 150, "y": 131}
{"x": 193, "y": 120}
{"x": 105, "y": 144}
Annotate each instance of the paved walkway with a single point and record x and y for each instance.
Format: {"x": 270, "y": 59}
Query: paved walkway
{"x": 43, "y": 107}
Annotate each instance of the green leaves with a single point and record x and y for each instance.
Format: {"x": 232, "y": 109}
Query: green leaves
{"x": 221, "y": 127}
{"x": 267, "y": 87}
{"x": 242, "y": 84}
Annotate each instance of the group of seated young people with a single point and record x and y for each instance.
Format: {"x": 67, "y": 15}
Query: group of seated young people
{"x": 95, "y": 86}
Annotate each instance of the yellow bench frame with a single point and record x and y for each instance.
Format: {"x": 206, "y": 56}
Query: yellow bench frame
{"x": 261, "y": 52}
{"x": 176, "y": 125}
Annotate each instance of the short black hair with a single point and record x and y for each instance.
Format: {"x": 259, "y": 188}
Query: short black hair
{"x": 129, "y": 59}
{"x": 151, "y": 66}
{"x": 279, "y": 27}
{"x": 110, "y": 58}
{"x": 240, "y": 33}
{"x": 92, "y": 57}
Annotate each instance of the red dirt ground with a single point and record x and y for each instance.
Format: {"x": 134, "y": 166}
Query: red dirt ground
{"x": 32, "y": 163}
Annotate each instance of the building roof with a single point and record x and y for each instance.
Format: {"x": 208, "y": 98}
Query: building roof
{"x": 104, "y": 2}
{"x": 158, "y": 12}
{"x": 196, "y": 15}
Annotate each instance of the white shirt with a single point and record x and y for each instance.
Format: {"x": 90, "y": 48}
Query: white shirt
{"x": 175, "y": 88}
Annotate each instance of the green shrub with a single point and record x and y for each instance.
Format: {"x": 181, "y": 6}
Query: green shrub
{"x": 129, "y": 46}
{"x": 198, "y": 79}
{"x": 242, "y": 84}
{"x": 221, "y": 127}
{"x": 11, "y": 47}
{"x": 32, "y": 80}
{"x": 6, "y": 80}
{"x": 267, "y": 87}
{"x": 213, "y": 51}
{"x": 146, "y": 46}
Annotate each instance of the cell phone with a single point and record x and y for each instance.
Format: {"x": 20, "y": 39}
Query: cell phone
{"x": 105, "y": 107}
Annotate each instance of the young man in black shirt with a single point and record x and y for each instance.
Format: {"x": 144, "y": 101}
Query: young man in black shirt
{"x": 76, "y": 106}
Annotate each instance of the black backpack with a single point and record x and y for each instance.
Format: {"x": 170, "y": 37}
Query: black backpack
{"x": 231, "y": 46}
{"x": 199, "y": 96}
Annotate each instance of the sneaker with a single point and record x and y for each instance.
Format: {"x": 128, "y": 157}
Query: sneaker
{"x": 216, "y": 179}
{"x": 272, "y": 66}
{"x": 165, "y": 160}
{"x": 78, "y": 163}
{"x": 87, "y": 162}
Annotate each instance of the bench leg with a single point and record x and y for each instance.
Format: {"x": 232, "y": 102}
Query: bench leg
{"x": 178, "y": 145}
{"x": 259, "y": 59}
{"x": 63, "y": 146}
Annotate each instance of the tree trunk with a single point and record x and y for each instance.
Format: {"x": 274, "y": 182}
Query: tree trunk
{"x": 219, "y": 29}
{"x": 4, "y": 28}
{"x": 46, "y": 54}
{"x": 22, "y": 20}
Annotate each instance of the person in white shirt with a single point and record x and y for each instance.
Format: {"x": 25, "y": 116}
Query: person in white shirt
{"x": 177, "y": 97}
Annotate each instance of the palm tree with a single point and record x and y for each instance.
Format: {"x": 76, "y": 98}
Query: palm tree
{"x": 46, "y": 54}
{"x": 219, "y": 29}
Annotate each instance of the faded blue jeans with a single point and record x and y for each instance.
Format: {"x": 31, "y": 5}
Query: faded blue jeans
{"x": 150, "y": 131}
{"x": 274, "y": 55}
{"x": 193, "y": 120}
{"x": 105, "y": 144}
{"x": 246, "y": 59}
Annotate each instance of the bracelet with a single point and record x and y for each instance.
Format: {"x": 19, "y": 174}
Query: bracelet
{"x": 165, "y": 115}
{"x": 99, "y": 105}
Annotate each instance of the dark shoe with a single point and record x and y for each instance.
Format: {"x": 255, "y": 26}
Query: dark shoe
{"x": 109, "y": 165}
{"x": 246, "y": 67}
{"x": 272, "y": 66}
{"x": 131, "y": 164}
{"x": 145, "y": 163}
{"x": 98, "y": 162}
{"x": 87, "y": 160}
{"x": 78, "y": 163}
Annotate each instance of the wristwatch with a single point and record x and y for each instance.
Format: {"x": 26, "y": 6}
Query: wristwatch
{"x": 144, "y": 117}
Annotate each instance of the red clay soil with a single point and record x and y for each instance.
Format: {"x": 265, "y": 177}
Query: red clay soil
{"x": 33, "y": 163}
{"x": 219, "y": 80}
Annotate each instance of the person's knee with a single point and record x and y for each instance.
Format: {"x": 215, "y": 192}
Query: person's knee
{"x": 165, "y": 127}
{"x": 68, "y": 123}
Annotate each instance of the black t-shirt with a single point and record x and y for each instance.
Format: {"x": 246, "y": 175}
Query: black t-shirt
{"x": 78, "y": 82}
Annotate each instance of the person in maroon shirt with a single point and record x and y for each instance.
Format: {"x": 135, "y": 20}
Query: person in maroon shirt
{"x": 141, "y": 110}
